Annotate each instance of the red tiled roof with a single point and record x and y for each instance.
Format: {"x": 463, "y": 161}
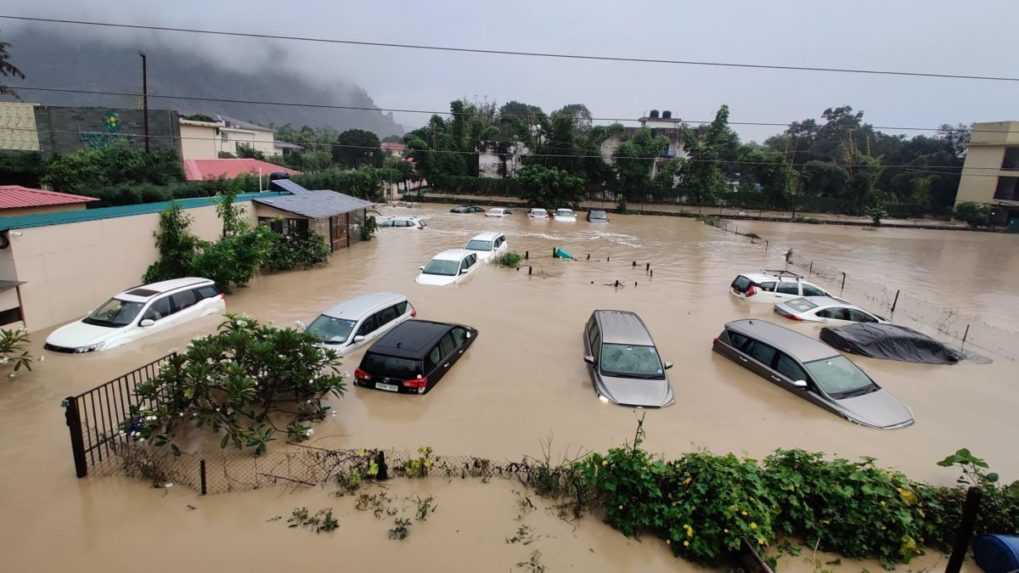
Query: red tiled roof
{"x": 18, "y": 197}
{"x": 393, "y": 146}
{"x": 202, "y": 169}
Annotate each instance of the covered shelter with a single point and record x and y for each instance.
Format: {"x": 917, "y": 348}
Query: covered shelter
{"x": 337, "y": 217}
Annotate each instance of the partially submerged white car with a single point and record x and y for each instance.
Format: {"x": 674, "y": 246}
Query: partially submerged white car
{"x": 825, "y": 309}
{"x": 402, "y": 223}
{"x": 488, "y": 245}
{"x": 139, "y": 312}
{"x": 498, "y": 212}
{"x": 349, "y": 325}
{"x": 565, "y": 216}
{"x": 773, "y": 287}
{"x": 537, "y": 213}
{"x": 448, "y": 267}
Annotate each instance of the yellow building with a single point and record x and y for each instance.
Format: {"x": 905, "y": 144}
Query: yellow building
{"x": 991, "y": 172}
{"x": 208, "y": 139}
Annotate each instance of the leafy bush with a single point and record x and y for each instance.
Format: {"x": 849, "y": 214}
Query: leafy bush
{"x": 974, "y": 214}
{"x": 177, "y": 246}
{"x": 509, "y": 259}
{"x": 288, "y": 252}
{"x": 14, "y": 348}
{"x": 368, "y": 228}
{"x": 233, "y": 261}
{"x": 86, "y": 169}
{"x": 244, "y": 382}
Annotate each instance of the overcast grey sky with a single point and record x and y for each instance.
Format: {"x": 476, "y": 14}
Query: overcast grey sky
{"x": 932, "y": 35}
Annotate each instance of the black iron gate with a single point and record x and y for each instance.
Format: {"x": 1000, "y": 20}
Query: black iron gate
{"x": 96, "y": 417}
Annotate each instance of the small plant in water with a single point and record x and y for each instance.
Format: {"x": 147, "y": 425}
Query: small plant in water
{"x": 510, "y": 259}
{"x": 400, "y": 530}
{"x": 321, "y": 522}
{"x": 533, "y": 564}
{"x": 424, "y": 507}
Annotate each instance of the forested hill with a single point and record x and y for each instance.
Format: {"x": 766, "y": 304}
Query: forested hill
{"x": 53, "y": 60}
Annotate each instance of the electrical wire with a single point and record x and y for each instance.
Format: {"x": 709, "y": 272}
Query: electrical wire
{"x": 521, "y": 53}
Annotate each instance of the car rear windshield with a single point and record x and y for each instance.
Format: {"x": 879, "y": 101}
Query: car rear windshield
{"x": 442, "y": 267}
{"x": 801, "y": 305}
{"x": 839, "y": 378}
{"x": 390, "y": 366}
{"x": 598, "y": 215}
{"x": 330, "y": 330}
{"x": 477, "y": 245}
{"x": 630, "y": 361}
{"x": 114, "y": 313}
{"x": 742, "y": 283}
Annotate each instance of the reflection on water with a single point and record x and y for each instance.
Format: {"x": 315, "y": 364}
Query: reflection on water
{"x": 524, "y": 380}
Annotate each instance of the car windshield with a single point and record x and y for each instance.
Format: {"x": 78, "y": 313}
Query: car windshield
{"x": 631, "y": 361}
{"x": 477, "y": 245}
{"x": 800, "y": 305}
{"x": 840, "y": 378}
{"x": 330, "y": 330}
{"x": 115, "y": 313}
{"x": 390, "y": 366}
{"x": 442, "y": 267}
{"x": 598, "y": 215}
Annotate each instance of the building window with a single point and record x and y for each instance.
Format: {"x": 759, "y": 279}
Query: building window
{"x": 11, "y": 315}
{"x": 1011, "y": 160}
{"x": 1006, "y": 190}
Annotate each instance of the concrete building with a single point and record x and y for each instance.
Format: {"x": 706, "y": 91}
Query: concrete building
{"x": 337, "y": 217}
{"x": 16, "y": 200}
{"x": 991, "y": 172}
{"x": 18, "y": 131}
{"x": 202, "y": 139}
{"x": 491, "y": 164}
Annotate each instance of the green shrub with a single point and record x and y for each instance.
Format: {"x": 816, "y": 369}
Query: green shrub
{"x": 368, "y": 228}
{"x": 288, "y": 252}
{"x": 84, "y": 170}
{"x": 974, "y": 214}
{"x": 14, "y": 349}
{"x": 233, "y": 261}
{"x": 176, "y": 245}
{"x": 509, "y": 259}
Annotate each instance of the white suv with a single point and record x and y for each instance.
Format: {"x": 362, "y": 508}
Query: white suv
{"x": 773, "y": 287}
{"x": 487, "y": 245}
{"x": 139, "y": 312}
{"x": 448, "y": 267}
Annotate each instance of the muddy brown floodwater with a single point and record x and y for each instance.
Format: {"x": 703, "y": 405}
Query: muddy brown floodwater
{"x": 522, "y": 382}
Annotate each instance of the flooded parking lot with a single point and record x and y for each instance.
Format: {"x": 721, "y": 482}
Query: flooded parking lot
{"x": 524, "y": 381}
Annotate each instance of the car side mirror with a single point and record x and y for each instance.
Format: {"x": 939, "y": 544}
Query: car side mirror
{"x": 589, "y": 359}
{"x": 359, "y": 338}
{"x": 468, "y": 334}
{"x": 801, "y": 384}
{"x": 300, "y": 324}
{"x": 463, "y": 271}
{"x": 146, "y": 322}
{"x": 421, "y": 268}
{"x": 668, "y": 365}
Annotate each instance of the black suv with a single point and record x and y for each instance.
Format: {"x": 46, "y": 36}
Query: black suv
{"x": 414, "y": 356}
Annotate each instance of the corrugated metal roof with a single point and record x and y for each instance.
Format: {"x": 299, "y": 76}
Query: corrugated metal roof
{"x": 204, "y": 169}
{"x": 62, "y": 218}
{"x": 287, "y": 185}
{"x": 315, "y": 204}
{"x": 18, "y": 197}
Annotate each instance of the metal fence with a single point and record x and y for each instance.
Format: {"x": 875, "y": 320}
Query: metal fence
{"x": 96, "y": 418}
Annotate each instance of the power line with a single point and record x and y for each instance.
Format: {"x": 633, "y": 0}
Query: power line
{"x": 425, "y": 111}
{"x": 521, "y": 53}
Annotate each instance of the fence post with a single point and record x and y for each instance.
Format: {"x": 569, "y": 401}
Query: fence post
{"x": 73, "y": 417}
{"x": 965, "y": 531}
{"x": 896, "y": 301}
{"x": 201, "y": 474}
{"x": 843, "y": 281}
{"x": 964, "y": 336}
{"x": 380, "y": 461}
{"x": 527, "y": 255}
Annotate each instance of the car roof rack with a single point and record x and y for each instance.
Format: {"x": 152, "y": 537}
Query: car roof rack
{"x": 782, "y": 272}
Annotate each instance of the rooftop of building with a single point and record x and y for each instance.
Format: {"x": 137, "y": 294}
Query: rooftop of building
{"x": 203, "y": 169}
{"x": 18, "y": 197}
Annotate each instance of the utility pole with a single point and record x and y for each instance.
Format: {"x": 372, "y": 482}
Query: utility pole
{"x": 145, "y": 98}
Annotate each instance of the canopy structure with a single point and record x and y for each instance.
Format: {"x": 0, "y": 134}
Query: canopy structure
{"x": 889, "y": 341}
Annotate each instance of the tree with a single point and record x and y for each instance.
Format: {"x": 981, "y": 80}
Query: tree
{"x": 357, "y": 147}
{"x": 634, "y": 161}
{"x": 770, "y": 170}
{"x": 176, "y": 245}
{"x": 707, "y": 148}
{"x": 974, "y": 214}
{"x": 823, "y": 179}
{"x": 8, "y": 70}
{"x": 84, "y": 170}
{"x": 549, "y": 187}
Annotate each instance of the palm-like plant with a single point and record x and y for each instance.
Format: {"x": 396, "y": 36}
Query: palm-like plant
{"x": 7, "y": 69}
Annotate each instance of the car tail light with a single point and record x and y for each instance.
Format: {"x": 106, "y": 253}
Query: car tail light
{"x": 418, "y": 383}
{"x": 362, "y": 375}
{"x": 413, "y": 312}
{"x": 791, "y": 316}
{"x": 751, "y": 291}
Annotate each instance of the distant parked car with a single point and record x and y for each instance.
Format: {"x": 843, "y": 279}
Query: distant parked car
{"x": 537, "y": 213}
{"x": 812, "y": 370}
{"x": 623, "y": 361}
{"x": 487, "y": 245}
{"x": 498, "y": 212}
{"x": 402, "y": 223}
{"x": 414, "y": 356}
{"x": 467, "y": 209}
{"x": 139, "y": 312}
{"x": 597, "y": 216}
{"x": 350, "y": 324}
{"x": 448, "y": 267}
{"x": 824, "y": 309}
{"x": 773, "y": 287}
{"x": 565, "y": 216}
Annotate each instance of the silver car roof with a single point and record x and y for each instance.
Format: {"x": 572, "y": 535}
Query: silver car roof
{"x": 359, "y": 306}
{"x": 622, "y": 327}
{"x": 799, "y": 346}
{"x": 826, "y": 301}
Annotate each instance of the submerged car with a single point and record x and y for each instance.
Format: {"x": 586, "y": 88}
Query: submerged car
{"x": 139, "y": 312}
{"x": 402, "y": 223}
{"x": 824, "y": 309}
{"x": 597, "y": 216}
{"x": 414, "y": 356}
{"x": 498, "y": 212}
{"x": 623, "y": 361}
{"x": 350, "y": 324}
{"x": 565, "y": 216}
{"x": 773, "y": 287}
{"x": 891, "y": 342}
{"x": 538, "y": 213}
{"x": 467, "y": 209}
{"x": 448, "y": 267}
{"x": 487, "y": 245}
{"x": 813, "y": 371}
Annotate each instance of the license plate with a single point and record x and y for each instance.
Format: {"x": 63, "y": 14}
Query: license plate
{"x": 387, "y": 387}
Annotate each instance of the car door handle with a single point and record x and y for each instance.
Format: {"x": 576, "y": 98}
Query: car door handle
{"x": 741, "y": 359}
{"x": 776, "y": 378}
{"x": 446, "y": 365}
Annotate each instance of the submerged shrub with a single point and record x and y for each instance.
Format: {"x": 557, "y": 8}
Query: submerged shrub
{"x": 509, "y": 259}
{"x": 289, "y": 252}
